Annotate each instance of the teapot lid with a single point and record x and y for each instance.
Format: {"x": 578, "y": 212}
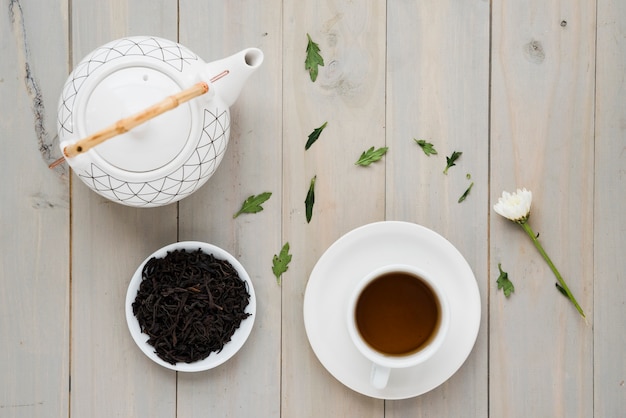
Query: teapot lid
{"x": 123, "y": 92}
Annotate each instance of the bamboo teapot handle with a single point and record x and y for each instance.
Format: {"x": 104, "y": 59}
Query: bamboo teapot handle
{"x": 126, "y": 124}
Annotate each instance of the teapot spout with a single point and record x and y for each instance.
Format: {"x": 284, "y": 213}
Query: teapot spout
{"x": 231, "y": 73}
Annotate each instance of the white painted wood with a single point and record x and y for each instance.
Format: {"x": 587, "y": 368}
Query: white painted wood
{"x": 437, "y": 90}
{"x": 348, "y": 94}
{"x": 541, "y": 351}
{"x": 542, "y": 109}
{"x": 251, "y": 379}
{"x": 110, "y": 375}
{"x": 609, "y": 224}
{"x": 34, "y": 216}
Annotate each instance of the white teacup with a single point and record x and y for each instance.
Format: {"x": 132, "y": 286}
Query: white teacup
{"x": 398, "y": 317}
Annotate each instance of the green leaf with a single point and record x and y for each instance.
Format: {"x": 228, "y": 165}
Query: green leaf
{"x": 371, "y": 156}
{"x": 561, "y": 289}
{"x": 280, "y": 262}
{"x": 313, "y": 58}
{"x": 310, "y": 200}
{"x": 314, "y": 136}
{"x": 427, "y": 147}
{"x": 253, "y": 204}
{"x": 504, "y": 283}
{"x": 464, "y": 195}
{"x": 450, "y": 161}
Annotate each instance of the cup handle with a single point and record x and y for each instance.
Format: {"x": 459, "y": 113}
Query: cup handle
{"x": 379, "y": 376}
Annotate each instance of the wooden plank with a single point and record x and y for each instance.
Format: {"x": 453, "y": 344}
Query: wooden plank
{"x": 34, "y": 215}
{"x": 110, "y": 375}
{"x": 437, "y": 81}
{"x": 349, "y": 94}
{"x": 541, "y": 351}
{"x": 609, "y": 223}
{"x": 249, "y": 383}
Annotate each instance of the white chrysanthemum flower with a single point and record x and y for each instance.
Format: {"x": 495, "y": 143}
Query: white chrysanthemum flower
{"x": 515, "y": 206}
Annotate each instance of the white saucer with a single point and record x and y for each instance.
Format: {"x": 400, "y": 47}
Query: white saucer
{"x": 349, "y": 259}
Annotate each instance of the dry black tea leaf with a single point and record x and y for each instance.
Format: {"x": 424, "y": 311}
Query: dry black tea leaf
{"x": 190, "y": 304}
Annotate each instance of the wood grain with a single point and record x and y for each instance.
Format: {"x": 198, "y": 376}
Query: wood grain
{"x": 34, "y": 215}
{"x": 437, "y": 90}
{"x": 541, "y": 351}
{"x": 110, "y": 375}
{"x": 531, "y": 92}
{"x": 348, "y": 94}
{"x": 250, "y": 380}
{"x": 609, "y": 235}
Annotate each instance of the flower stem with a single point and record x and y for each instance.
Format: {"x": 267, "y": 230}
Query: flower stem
{"x": 534, "y": 239}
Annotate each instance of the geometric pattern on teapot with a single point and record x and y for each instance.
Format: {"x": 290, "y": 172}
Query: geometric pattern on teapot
{"x": 171, "y": 53}
{"x": 181, "y": 182}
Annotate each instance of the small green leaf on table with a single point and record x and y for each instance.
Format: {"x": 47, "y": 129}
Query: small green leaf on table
{"x": 253, "y": 204}
{"x": 371, "y": 156}
{"x": 313, "y": 58}
{"x": 450, "y": 161}
{"x": 310, "y": 200}
{"x": 464, "y": 195}
{"x": 427, "y": 147}
{"x": 504, "y": 283}
{"x": 314, "y": 136}
{"x": 280, "y": 262}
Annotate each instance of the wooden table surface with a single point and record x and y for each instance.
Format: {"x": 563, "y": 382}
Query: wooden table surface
{"x": 531, "y": 92}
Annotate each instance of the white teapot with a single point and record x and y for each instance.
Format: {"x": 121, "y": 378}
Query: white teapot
{"x": 170, "y": 156}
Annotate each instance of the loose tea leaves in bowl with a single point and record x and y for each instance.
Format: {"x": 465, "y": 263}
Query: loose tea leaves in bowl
{"x": 190, "y": 304}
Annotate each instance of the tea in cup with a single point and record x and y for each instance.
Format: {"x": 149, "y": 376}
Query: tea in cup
{"x": 398, "y": 317}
